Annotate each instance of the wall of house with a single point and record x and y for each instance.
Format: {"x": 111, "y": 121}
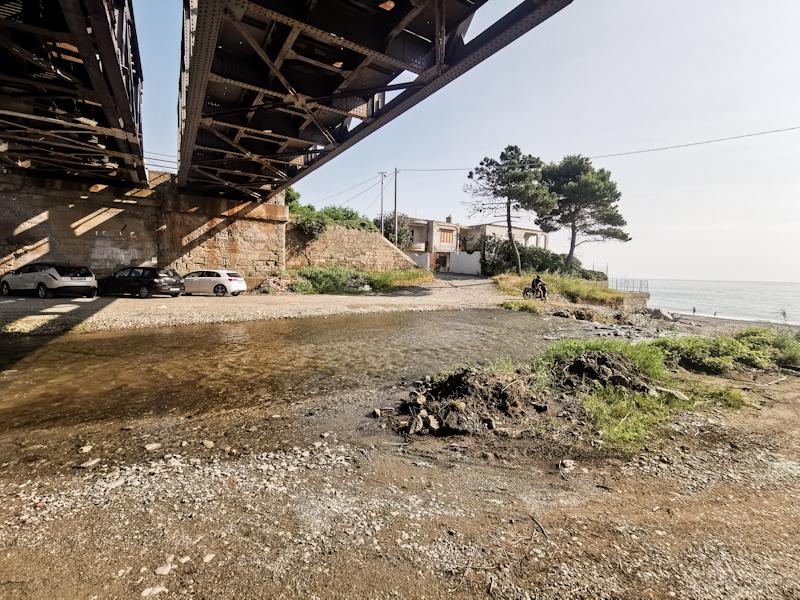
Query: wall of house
{"x": 342, "y": 247}
{"x": 466, "y": 263}
{"x": 106, "y": 228}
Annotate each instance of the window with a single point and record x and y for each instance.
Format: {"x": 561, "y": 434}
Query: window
{"x": 447, "y": 237}
{"x": 122, "y": 273}
{"x": 236, "y": 275}
{"x": 194, "y": 275}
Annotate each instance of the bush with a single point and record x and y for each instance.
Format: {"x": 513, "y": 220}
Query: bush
{"x": 301, "y": 286}
{"x": 340, "y": 280}
{"x": 314, "y": 223}
{"x": 497, "y": 257}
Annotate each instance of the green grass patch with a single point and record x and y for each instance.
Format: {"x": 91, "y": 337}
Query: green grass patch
{"x": 624, "y": 418}
{"x": 342, "y": 280}
{"x": 398, "y": 278}
{"x": 530, "y": 306}
{"x": 704, "y": 394}
{"x": 571, "y": 288}
{"x": 755, "y": 348}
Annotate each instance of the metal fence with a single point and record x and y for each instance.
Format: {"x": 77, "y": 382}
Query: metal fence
{"x": 629, "y": 285}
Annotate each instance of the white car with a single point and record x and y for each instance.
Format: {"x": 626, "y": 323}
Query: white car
{"x": 48, "y": 279}
{"x": 218, "y": 282}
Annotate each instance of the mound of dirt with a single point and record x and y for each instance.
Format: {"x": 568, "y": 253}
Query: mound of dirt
{"x": 606, "y": 368}
{"x": 474, "y": 401}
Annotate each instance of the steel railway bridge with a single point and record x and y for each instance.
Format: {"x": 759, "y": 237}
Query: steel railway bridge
{"x": 269, "y": 89}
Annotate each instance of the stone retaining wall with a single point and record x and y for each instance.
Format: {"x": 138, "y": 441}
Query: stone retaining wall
{"x": 342, "y": 247}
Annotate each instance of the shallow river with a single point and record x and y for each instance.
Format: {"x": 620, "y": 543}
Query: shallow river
{"x": 201, "y": 367}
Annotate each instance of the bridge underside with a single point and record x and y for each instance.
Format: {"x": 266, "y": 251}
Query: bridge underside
{"x": 70, "y": 90}
{"x": 273, "y": 89}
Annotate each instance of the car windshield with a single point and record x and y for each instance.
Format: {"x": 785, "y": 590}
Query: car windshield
{"x": 73, "y": 271}
{"x": 167, "y": 273}
{"x": 234, "y": 275}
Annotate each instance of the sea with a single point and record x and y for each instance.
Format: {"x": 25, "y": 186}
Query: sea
{"x": 748, "y": 301}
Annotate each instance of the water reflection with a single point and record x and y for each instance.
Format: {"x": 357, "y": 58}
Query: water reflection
{"x": 112, "y": 374}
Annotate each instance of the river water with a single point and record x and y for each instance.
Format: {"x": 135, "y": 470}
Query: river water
{"x": 120, "y": 374}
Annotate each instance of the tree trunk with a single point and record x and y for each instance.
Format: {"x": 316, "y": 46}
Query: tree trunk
{"x": 511, "y": 239}
{"x": 572, "y": 241}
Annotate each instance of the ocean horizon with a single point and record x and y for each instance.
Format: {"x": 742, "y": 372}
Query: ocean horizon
{"x": 769, "y": 302}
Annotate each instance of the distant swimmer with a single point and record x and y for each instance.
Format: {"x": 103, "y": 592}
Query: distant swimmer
{"x": 694, "y": 310}
{"x": 715, "y": 314}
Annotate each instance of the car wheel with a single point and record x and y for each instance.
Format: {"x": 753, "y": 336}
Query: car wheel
{"x": 43, "y": 292}
{"x": 6, "y": 289}
{"x": 91, "y": 294}
{"x": 220, "y": 290}
{"x": 235, "y": 293}
{"x": 144, "y": 292}
{"x": 175, "y": 295}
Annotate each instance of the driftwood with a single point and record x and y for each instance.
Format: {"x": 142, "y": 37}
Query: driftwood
{"x": 771, "y": 382}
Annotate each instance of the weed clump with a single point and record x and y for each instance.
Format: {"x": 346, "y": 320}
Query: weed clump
{"x": 756, "y": 348}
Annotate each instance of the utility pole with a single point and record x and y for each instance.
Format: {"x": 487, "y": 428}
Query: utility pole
{"x": 382, "y": 174}
{"x": 395, "y": 206}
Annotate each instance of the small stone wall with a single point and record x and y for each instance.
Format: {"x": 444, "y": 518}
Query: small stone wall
{"x": 635, "y": 301}
{"x": 342, "y": 247}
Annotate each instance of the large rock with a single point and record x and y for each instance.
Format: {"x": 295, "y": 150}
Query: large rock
{"x": 662, "y": 315}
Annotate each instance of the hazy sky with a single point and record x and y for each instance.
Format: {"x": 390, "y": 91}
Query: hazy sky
{"x": 601, "y": 77}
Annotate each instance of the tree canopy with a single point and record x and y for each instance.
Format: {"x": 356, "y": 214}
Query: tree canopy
{"x": 508, "y": 188}
{"x": 586, "y": 206}
{"x": 404, "y": 235}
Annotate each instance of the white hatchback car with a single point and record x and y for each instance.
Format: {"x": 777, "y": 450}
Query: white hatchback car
{"x": 218, "y": 282}
{"x": 48, "y": 279}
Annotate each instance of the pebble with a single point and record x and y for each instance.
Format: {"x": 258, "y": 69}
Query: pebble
{"x": 150, "y": 447}
{"x": 208, "y": 557}
{"x": 85, "y": 449}
{"x": 90, "y": 463}
{"x": 208, "y": 443}
{"x": 152, "y": 591}
{"x": 163, "y": 570}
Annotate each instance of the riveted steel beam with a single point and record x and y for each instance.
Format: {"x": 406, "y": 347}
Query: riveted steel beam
{"x": 332, "y": 38}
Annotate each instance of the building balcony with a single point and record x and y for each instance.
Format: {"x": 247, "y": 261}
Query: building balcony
{"x": 416, "y": 247}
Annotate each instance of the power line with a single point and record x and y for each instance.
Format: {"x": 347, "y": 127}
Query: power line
{"x": 348, "y": 189}
{"x": 361, "y": 192}
{"x": 735, "y": 137}
{"x": 714, "y": 141}
{"x": 160, "y": 154}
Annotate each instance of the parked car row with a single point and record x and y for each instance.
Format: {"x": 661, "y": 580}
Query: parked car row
{"x": 49, "y": 279}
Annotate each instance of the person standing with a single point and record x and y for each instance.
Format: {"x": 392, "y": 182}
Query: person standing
{"x": 694, "y": 310}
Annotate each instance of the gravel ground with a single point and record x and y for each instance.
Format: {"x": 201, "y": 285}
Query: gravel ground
{"x": 34, "y": 316}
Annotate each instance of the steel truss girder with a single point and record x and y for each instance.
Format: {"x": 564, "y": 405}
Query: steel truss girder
{"x": 340, "y": 90}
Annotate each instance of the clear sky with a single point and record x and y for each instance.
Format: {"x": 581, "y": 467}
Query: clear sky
{"x": 599, "y": 78}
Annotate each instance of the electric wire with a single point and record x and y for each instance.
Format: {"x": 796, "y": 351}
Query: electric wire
{"x": 714, "y": 141}
{"x": 359, "y": 193}
{"x": 160, "y": 154}
{"x": 348, "y": 189}
{"x": 379, "y": 194}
